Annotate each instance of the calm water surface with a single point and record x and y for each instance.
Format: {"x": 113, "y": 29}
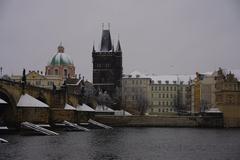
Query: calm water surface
{"x": 126, "y": 144}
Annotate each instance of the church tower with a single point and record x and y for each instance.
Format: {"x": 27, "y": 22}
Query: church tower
{"x": 107, "y": 64}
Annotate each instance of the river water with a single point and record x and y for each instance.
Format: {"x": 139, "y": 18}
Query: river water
{"x": 126, "y": 144}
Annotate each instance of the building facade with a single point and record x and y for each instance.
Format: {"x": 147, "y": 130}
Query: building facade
{"x": 154, "y": 94}
{"x": 169, "y": 94}
{"x": 36, "y": 78}
{"x": 203, "y": 92}
{"x": 135, "y": 93}
{"x": 107, "y": 64}
{"x": 228, "y": 96}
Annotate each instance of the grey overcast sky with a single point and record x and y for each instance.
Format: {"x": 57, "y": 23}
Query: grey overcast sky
{"x": 157, "y": 36}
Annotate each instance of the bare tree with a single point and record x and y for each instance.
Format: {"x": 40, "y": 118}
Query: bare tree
{"x": 104, "y": 99}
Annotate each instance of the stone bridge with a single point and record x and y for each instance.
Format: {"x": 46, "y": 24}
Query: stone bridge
{"x": 11, "y": 92}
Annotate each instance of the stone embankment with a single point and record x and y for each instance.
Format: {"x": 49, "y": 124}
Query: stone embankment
{"x": 162, "y": 121}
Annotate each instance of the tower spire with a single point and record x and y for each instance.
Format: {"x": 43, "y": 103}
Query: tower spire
{"x": 93, "y": 50}
{"x": 108, "y": 26}
{"x": 118, "y": 48}
{"x": 106, "y": 42}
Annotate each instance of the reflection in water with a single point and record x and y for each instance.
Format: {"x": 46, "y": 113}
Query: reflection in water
{"x": 126, "y": 143}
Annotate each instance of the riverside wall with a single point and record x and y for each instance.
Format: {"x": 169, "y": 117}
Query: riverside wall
{"x": 162, "y": 121}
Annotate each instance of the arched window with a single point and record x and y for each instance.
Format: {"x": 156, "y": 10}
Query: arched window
{"x": 65, "y": 73}
{"x": 56, "y": 71}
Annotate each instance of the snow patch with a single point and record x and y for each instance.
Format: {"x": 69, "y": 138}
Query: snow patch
{"x": 103, "y": 108}
{"x": 69, "y": 107}
{"x": 2, "y": 101}
{"x": 28, "y": 101}
{"x": 122, "y": 113}
{"x": 84, "y": 108}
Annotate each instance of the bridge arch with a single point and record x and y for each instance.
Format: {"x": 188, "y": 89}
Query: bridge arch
{"x": 7, "y": 111}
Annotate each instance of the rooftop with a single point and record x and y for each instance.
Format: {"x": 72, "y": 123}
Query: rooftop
{"x": 163, "y": 79}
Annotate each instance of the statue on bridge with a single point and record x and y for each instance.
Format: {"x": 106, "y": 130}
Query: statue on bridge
{"x": 24, "y": 81}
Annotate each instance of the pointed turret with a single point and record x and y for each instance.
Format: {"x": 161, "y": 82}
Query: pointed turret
{"x": 113, "y": 46}
{"x": 118, "y": 48}
{"x": 93, "y": 50}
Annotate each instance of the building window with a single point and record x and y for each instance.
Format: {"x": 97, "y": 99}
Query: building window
{"x": 159, "y": 110}
{"x": 56, "y": 71}
{"x": 65, "y": 73}
{"x": 159, "y": 96}
{"x": 159, "y": 88}
{"x": 49, "y": 72}
{"x": 163, "y": 95}
{"x": 50, "y": 83}
{"x": 38, "y": 83}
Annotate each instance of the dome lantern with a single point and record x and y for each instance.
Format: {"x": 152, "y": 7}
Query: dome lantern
{"x": 60, "y": 48}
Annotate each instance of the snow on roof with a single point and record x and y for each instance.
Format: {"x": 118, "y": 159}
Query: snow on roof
{"x": 29, "y": 101}
{"x": 122, "y": 113}
{"x": 2, "y": 101}
{"x": 69, "y": 107}
{"x": 163, "y": 78}
{"x": 84, "y": 108}
{"x": 171, "y": 79}
{"x": 103, "y": 108}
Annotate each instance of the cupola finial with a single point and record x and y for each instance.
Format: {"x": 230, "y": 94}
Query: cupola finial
{"x": 60, "y": 48}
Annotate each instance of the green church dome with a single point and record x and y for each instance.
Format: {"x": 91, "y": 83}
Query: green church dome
{"x": 61, "y": 58}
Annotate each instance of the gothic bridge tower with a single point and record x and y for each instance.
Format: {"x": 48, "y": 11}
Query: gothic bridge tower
{"x": 107, "y": 64}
